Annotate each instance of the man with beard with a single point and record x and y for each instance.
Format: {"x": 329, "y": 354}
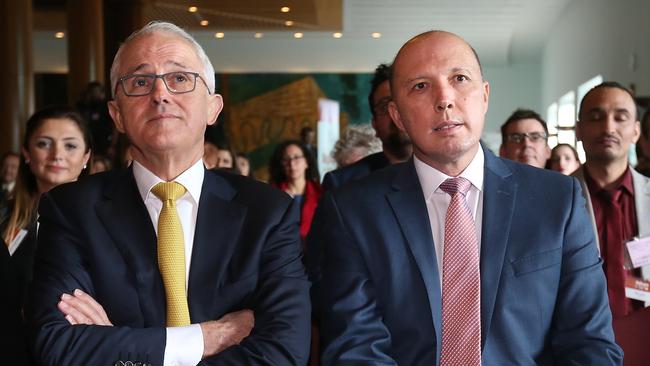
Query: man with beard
{"x": 618, "y": 197}
{"x": 396, "y": 144}
{"x": 524, "y": 136}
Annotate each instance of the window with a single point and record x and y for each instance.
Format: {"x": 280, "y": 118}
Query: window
{"x": 551, "y": 123}
{"x": 561, "y": 117}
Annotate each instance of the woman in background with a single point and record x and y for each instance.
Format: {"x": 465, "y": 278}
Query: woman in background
{"x": 243, "y": 164}
{"x": 56, "y": 150}
{"x": 225, "y": 158}
{"x": 100, "y": 164}
{"x": 564, "y": 159}
{"x": 293, "y": 170}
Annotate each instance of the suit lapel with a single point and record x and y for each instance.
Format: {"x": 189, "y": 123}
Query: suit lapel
{"x": 127, "y": 221}
{"x": 642, "y": 205}
{"x": 641, "y": 201}
{"x": 499, "y": 191}
{"x": 408, "y": 204}
{"x": 218, "y": 224}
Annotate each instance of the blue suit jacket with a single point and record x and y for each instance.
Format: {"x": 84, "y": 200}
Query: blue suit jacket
{"x": 96, "y": 235}
{"x": 358, "y": 170}
{"x": 543, "y": 294}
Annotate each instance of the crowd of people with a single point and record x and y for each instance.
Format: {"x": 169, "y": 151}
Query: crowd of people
{"x": 149, "y": 244}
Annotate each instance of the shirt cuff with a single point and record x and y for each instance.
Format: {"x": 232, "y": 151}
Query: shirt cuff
{"x": 184, "y": 346}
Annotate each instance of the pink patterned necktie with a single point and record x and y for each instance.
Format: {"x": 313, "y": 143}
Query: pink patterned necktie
{"x": 461, "y": 283}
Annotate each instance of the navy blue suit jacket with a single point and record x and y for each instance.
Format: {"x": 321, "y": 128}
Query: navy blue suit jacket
{"x": 543, "y": 292}
{"x": 96, "y": 235}
{"x": 358, "y": 170}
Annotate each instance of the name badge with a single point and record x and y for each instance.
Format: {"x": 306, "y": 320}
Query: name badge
{"x": 638, "y": 251}
{"x": 637, "y": 289}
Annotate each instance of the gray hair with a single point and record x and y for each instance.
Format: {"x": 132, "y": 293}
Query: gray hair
{"x": 362, "y": 136}
{"x": 158, "y": 26}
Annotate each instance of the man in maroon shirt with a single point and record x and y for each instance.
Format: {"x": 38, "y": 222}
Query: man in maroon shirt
{"x": 618, "y": 197}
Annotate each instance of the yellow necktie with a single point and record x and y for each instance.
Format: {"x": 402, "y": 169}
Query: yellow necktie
{"x": 171, "y": 253}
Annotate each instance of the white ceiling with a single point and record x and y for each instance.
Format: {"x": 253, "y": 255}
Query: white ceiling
{"x": 503, "y": 32}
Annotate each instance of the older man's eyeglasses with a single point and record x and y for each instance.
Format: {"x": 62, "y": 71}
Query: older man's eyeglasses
{"x": 519, "y": 138}
{"x": 177, "y": 82}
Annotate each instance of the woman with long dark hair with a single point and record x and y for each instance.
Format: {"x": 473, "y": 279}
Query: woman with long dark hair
{"x": 293, "y": 170}
{"x": 56, "y": 149}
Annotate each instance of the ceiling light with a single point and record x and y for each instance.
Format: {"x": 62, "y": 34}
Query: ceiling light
{"x": 259, "y": 35}
{"x": 297, "y": 35}
{"x": 376, "y": 35}
{"x": 59, "y": 34}
{"x": 192, "y": 9}
{"x": 288, "y": 23}
{"x": 337, "y": 35}
{"x": 285, "y": 9}
{"x": 204, "y": 23}
{"x": 219, "y": 35}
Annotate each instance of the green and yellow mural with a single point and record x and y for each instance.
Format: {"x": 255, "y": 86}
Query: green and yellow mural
{"x": 263, "y": 109}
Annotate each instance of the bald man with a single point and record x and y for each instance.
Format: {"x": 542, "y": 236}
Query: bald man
{"x": 440, "y": 260}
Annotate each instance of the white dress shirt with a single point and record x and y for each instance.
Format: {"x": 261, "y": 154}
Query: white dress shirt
{"x": 438, "y": 200}
{"x": 184, "y": 344}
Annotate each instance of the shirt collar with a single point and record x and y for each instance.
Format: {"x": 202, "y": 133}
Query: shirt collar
{"x": 626, "y": 183}
{"x": 191, "y": 179}
{"x": 431, "y": 178}
{"x": 9, "y": 186}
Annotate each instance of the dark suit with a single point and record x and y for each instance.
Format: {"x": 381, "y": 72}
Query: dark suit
{"x": 543, "y": 294}
{"x": 22, "y": 259}
{"x": 97, "y": 235}
{"x": 13, "y": 347}
{"x": 359, "y": 169}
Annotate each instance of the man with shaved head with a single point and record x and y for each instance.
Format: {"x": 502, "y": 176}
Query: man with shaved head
{"x": 440, "y": 260}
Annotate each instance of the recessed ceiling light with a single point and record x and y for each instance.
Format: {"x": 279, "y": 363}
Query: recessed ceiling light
{"x": 204, "y": 23}
{"x": 259, "y": 35}
{"x": 219, "y": 35}
{"x": 192, "y": 9}
{"x": 376, "y": 35}
{"x": 285, "y": 9}
{"x": 288, "y": 23}
{"x": 59, "y": 34}
{"x": 337, "y": 35}
{"x": 297, "y": 35}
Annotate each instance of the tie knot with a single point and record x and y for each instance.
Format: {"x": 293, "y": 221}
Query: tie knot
{"x": 166, "y": 191}
{"x": 453, "y": 185}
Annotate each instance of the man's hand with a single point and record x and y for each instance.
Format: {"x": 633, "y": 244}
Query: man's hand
{"x": 228, "y": 331}
{"x": 81, "y": 308}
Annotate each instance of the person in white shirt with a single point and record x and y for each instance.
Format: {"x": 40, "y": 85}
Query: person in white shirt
{"x": 503, "y": 270}
{"x": 102, "y": 290}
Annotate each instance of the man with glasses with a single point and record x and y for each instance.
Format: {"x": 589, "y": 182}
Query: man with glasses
{"x": 524, "y": 136}
{"x": 167, "y": 263}
{"x": 395, "y": 143}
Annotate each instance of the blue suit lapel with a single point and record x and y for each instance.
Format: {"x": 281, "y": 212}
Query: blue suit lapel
{"x": 218, "y": 225}
{"x": 499, "y": 194}
{"x": 407, "y": 202}
{"x": 126, "y": 219}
